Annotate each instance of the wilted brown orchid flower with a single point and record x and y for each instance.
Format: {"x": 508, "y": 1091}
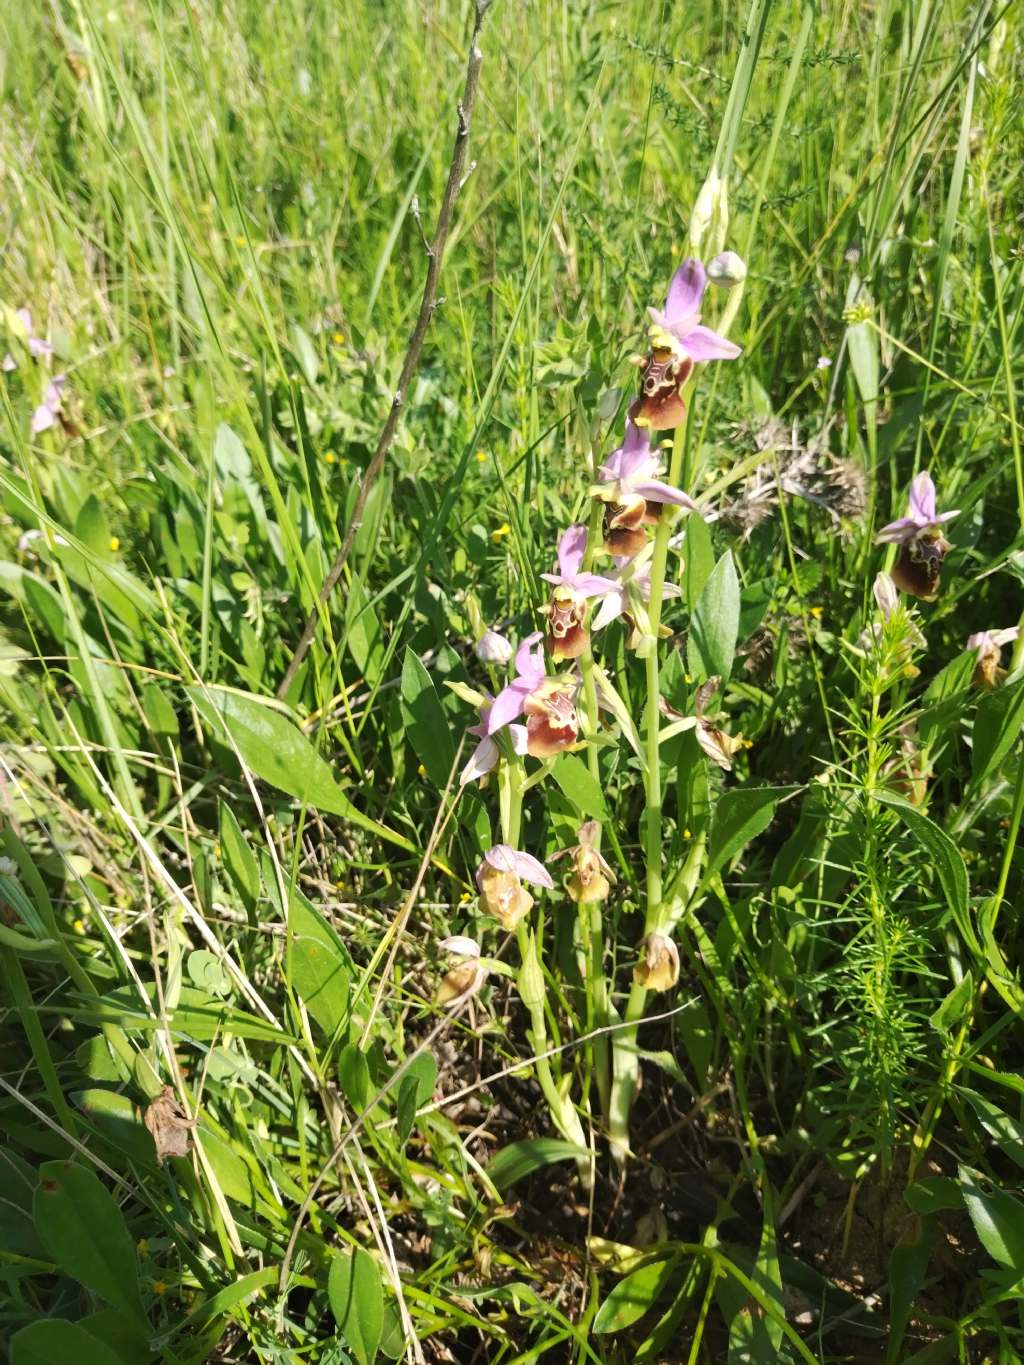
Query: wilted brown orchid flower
{"x": 591, "y": 878}
{"x": 466, "y": 977}
{"x": 718, "y": 746}
{"x": 170, "y": 1126}
{"x": 658, "y": 966}
{"x": 989, "y": 672}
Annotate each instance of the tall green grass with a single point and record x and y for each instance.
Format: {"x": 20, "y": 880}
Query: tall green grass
{"x": 216, "y": 214}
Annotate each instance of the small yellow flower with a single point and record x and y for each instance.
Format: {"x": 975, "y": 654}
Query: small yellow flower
{"x": 464, "y": 898}
{"x": 503, "y": 530}
{"x": 159, "y": 1286}
{"x": 338, "y": 338}
{"x": 115, "y": 545}
{"x": 239, "y": 240}
{"x": 748, "y": 744}
{"x": 481, "y": 457}
{"x": 859, "y": 312}
{"x": 422, "y": 770}
{"x": 687, "y": 834}
{"x": 79, "y": 926}
{"x": 329, "y": 457}
{"x": 142, "y": 1246}
{"x": 687, "y": 678}
{"x": 816, "y": 613}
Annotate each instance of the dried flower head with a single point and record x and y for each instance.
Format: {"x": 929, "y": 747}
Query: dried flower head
{"x": 658, "y": 966}
{"x": 169, "y": 1124}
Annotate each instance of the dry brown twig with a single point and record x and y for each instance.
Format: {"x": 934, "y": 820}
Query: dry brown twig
{"x": 435, "y": 257}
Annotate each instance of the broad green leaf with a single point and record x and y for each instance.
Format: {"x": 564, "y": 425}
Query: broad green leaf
{"x": 415, "y": 1088}
{"x": 1007, "y": 1131}
{"x": 953, "y": 679}
{"x": 580, "y": 786}
{"x": 239, "y": 858}
{"x": 698, "y": 560}
{"x": 91, "y": 527}
{"x": 53, "y": 1340}
{"x": 426, "y": 724}
{"x": 740, "y": 814}
{"x": 354, "y": 1074}
{"x": 711, "y": 643}
{"x": 305, "y": 352}
{"x": 934, "y": 1194}
{"x": 955, "y": 1005}
{"x": 35, "y": 595}
{"x": 357, "y": 1302}
{"x": 945, "y": 857}
{"x": 633, "y": 1296}
{"x": 518, "y": 1159}
{"x": 997, "y": 727}
{"x": 998, "y": 1219}
{"x": 117, "y": 1120}
{"x": 320, "y": 965}
{"x": 281, "y": 754}
{"x": 80, "y": 1225}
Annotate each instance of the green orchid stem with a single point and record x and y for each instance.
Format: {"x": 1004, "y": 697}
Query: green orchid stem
{"x": 531, "y": 978}
{"x": 625, "y": 1056}
{"x": 592, "y": 919}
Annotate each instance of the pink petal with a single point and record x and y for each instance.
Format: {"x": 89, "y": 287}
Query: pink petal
{"x": 42, "y": 419}
{"x": 611, "y": 608}
{"x": 656, "y": 491}
{"x": 520, "y": 738}
{"x": 508, "y": 704}
{"x": 980, "y": 641}
{"x": 505, "y": 858}
{"x": 922, "y": 499}
{"x": 685, "y": 292}
{"x": 38, "y": 347}
{"x": 637, "y": 456}
{"x": 528, "y": 660}
{"x": 482, "y": 760}
{"x": 897, "y": 532}
{"x": 25, "y": 318}
{"x": 701, "y": 343}
{"x": 592, "y": 584}
{"x": 572, "y": 546}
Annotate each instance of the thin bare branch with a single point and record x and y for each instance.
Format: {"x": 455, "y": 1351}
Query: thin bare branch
{"x": 435, "y": 258}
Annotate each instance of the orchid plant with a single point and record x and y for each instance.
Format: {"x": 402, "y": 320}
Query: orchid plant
{"x": 541, "y": 711}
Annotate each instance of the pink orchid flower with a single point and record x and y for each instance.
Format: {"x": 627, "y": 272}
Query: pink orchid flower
{"x": 919, "y": 534}
{"x": 37, "y": 346}
{"x": 677, "y": 341}
{"x": 549, "y": 703}
{"x": 567, "y": 631}
{"x": 632, "y": 496}
{"x": 500, "y": 878}
{"x": 48, "y": 410}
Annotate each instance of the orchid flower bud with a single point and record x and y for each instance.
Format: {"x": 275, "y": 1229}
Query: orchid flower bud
{"x": 493, "y": 648}
{"x": 658, "y": 967}
{"x": 727, "y": 270}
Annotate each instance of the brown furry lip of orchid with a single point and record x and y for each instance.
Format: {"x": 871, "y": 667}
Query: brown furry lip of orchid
{"x": 923, "y": 546}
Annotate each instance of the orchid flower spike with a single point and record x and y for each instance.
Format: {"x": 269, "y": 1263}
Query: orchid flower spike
{"x": 567, "y": 632}
{"x": 989, "y": 673}
{"x": 919, "y": 534}
{"x": 677, "y": 341}
{"x": 632, "y": 497}
{"x": 548, "y": 703}
{"x": 500, "y": 880}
